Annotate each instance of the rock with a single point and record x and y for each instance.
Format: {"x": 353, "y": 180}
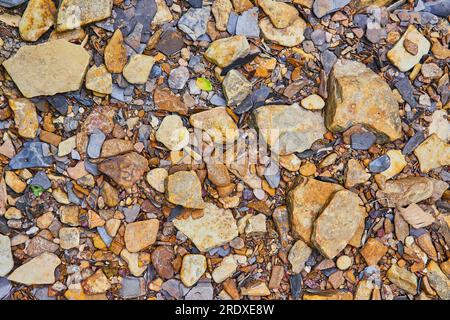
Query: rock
{"x": 69, "y": 238}
{"x": 162, "y": 258}
{"x": 95, "y": 144}
{"x": 163, "y": 14}
{"x": 224, "y": 51}
{"x": 226, "y": 269}
{"x": 338, "y": 223}
{"x": 192, "y": 269}
{"x": 110, "y": 195}
{"x": 440, "y": 125}
{"x": 345, "y": 108}
{"x": 221, "y": 10}
{"x": 65, "y": 147}
{"x": 156, "y": 179}
{"x": 402, "y": 56}
{"x": 355, "y": 174}
{"x": 194, "y": 22}
{"x": 215, "y": 228}
{"x": 39, "y": 270}
{"x": 257, "y": 289}
{"x": 218, "y": 174}
{"x": 202, "y": 291}
{"x": 138, "y": 68}
{"x": 73, "y": 14}
{"x": 416, "y": 217}
{"x": 132, "y": 260}
{"x": 343, "y": 262}
{"x": 217, "y": 123}
{"x": 373, "y": 251}
{"x": 25, "y": 117}
{"x": 313, "y": 102}
{"x": 433, "y": 153}
{"x": 172, "y": 133}
{"x": 6, "y": 258}
{"x": 256, "y": 225}
{"x": 184, "y": 188}
{"x": 70, "y": 215}
{"x": 168, "y": 101}
{"x": 14, "y": 182}
{"x": 403, "y": 192}
{"x": 362, "y": 140}
{"x": 397, "y": 163}
{"x": 438, "y": 280}
{"x": 324, "y": 7}
{"x": 115, "y": 147}
{"x": 403, "y": 279}
{"x": 11, "y": 3}
{"x": 61, "y": 68}
{"x": 126, "y": 169}
{"x": 139, "y": 235}
{"x": 330, "y": 295}
{"x": 380, "y": 164}
{"x": 236, "y": 87}
{"x": 290, "y": 36}
{"x": 413, "y": 143}
{"x": 305, "y": 201}
{"x": 290, "y": 162}
{"x": 247, "y": 24}
{"x": 431, "y": 70}
{"x": 281, "y": 14}
{"x": 31, "y": 156}
{"x": 96, "y": 283}
{"x": 288, "y": 128}
{"x": 115, "y": 53}
{"x": 38, "y": 17}
{"x": 178, "y": 78}
{"x": 171, "y": 42}
{"x": 298, "y": 255}
{"x": 132, "y": 287}
{"x": 99, "y": 80}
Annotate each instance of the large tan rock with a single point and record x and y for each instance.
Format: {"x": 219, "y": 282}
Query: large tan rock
{"x": 338, "y": 223}
{"x": 221, "y": 10}
{"x": 37, "y": 18}
{"x": 163, "y": 14}
{"x": 39, "y": 270}
{"x": 433, "y": 153}
{"x": 184, "y": 188}
{"x": 402, "y": 278}
{"x": 224, "y": 51}
{"x": 49, "y": 68}
{"x": 6, "y": 257}
{"x": 217, "y": 123}
{"x": 357, "y": 95}
{"x": 305, "y": 201}
{"x": 403, "y": 192}
{"x": 25, "y": 117}
{"x": 438, "y": 280}
{"x": 288, "y": 128}
{"x": 281, "y": 14}
{"x": 126, "y": 169}
{"x": 290, "y": 36}
{"x": 73, "y": 14}
{"x": 139, "y": 235}
{"x": 215, "y": 228}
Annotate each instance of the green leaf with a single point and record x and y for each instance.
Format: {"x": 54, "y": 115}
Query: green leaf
{"x": 37, "y": 190}
{"x": 204, "y": 84}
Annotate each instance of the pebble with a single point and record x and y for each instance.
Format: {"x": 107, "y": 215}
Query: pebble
{"x": 362, "y": 140}
{"x": 344, "y": 262}
{"x": 192, "y": 269}
{"x": 96, "y": 140}
{"x": 184, "y": 188}
{"x": 247, "y": 24}
{"x": 324, "y": 7}
{"x": 156, "y": 179}
{"x": 172, "y": 133}
{"x": 178, "y": 78}
{"x": 139, "y": 235}
{"x": 298, "y": 255}
{"x": 380, "y": 164}
{"x": 194, "y": 22}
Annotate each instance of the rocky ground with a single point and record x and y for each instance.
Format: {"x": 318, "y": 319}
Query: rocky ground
{"x": 225, "y": 149}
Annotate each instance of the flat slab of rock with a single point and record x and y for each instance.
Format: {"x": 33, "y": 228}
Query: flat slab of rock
{"x": 298, "y": 255}
{"x": 73, "y": 14}
{"x": 287, "y": 37}
{"x": 6, "y": 258}
{"x": 224, "y": 51}
{"x": 138, "y": 68}
{"x": 433, "y": 153}
{"x": 352, "y": 101}
{"x": 126, "y": 169}
{"x": 289, "y": 128}
{"x": 217, "y": 123}
{"x": 338, "y": 223}
{"x": 215, "y": 228}
{"x": 49, "y": 68}
{"x": 39, "y": 270}
{"x": 139, "y": 235}
{"x": 184, "y": 188}
{"x": 114, "y": 147}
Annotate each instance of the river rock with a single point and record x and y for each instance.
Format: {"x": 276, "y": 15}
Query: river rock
{"x": 224, "y": 51}
{"x": 61, "y": 68}
{"x": 115, "y": 53}
{"x": 96, "y": 283}
{"x": 215, "y": 228}
{"x": 73, "y": 14}
{"x": 281, "y": 14}
{"x": 99, "y": 80}
{"x": 236, "y": 87}
{"x": 126, "y": 169}
{"x": 6, "y": 258}
{"x": 373, "y": 251}
{"x": 225, "y": 269}
{"x": 288, "y": 37}
{"x": 298, "y": 255}
{"x": 172, "y": 133}
{"x": 433, "y": 153}
{"x": 139, "y": 235}
{"x": 69, "y": 238}
{"x": 166, "y": 100}
{"x": 38, "y": 17}
{"x": 351, "y": 101}
{"x": 221, "y": 10}
{"x": 178, "y": 78}
{"x": 338, "y": 223}
{"x": 288, "y": 128}
{"x": 313, "y": 102}
{"x": 184, "y": 188}
{"x": 25, "y": 117}
{"x": 39, "y": 270}
{"x": 138, "y": 68}
{"x": 402, "y": 278}
{"x": 192, "y": 269}
{"x": 217, "y": 123}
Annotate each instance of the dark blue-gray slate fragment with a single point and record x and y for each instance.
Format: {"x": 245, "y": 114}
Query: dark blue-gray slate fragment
{"x": 380, "y": 164}
{"x": 324, "y": 7}
{"x": 413, "y": 143}
{"x": 232, "y": 21}
{"x": 40, "y": 179}
{"x": 31, "y": 156}
{"x": 94, "y": 147}
{"x": 296, "y": 285}
{"x": 328, "y": 59}
{"x": 11, "y": 3}
{"x": 4, "y": 229}
{"x": 247, "y": 23}
{"x": 440, "y": 8}
{"x": 256, "y": 99}
{"x": 59, "y": 103}
{"x": 196, "y": 3}
{"x": 406, "y": 90}
{"x": 362, "y": 140}
{"x": 5, "y": 288}
{"x": 132, "y": 287}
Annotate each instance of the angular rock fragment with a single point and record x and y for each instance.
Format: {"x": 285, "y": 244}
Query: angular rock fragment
{"x": 6, "y": 257}
{"x": 217, "y": 123}
{"x": 281, "y": 14}
{"x": 221, "y": 10}
{"x": 192, "y": 269}
{"x": 96, "y": 283}
{"x": 438, "y": 280}
{"x": 38, "y": 17}
{"x": 126, "y": 169}
{"x": 324, "y": 7}
{"x": 172, "y": 133}
{"x": 115, "y": 53}
{"x": 73, "y": 14}
{"x": 223, "y": 52}
{"x": 236, "y": 87}
{"x": 25, "y": 117}
{"x": 403, "y": 192}
{"x": 290, "y": 36}
{"x": 194, "y": 22}
{"x": 184, "y": 188}
{"x": 99, "y": 80}
{"x": 298, "y": 255}
{"x": 139, "y": 235}
{"x": 403, "y": 279}
{"x": 138, "y": 68}
{"x": 433, "y": 153}
{"x": 39, "y": 270}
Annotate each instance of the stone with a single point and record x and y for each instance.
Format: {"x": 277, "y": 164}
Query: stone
{"x": 247, "y": 24}
{"x": 65, "y": 147}
{"x": 73, "y": 14}
{"x": 305, "y": 201}
{"x": 236, "y": 87}
{"x": 162, "y": 258}
{"x": 380, "y": 164}
{"x": 70, "y": 215}
{"x": 137, "y": 70}
{"x": 225, "y": 269}
{"x": 140, "y": 235}
{"x": 13, "y": 181}
{"x": 256, "y": 225}
{"x": 38, "y": 17}
{"x": 345, "y": 108}
{"x": 403, "y": 279}
{"x": 13, "y": 213}
{"x": 362, "y": 140}
{"x": 397, "y": 163}
{"x": 95, "y": 144}
{"x": 323, "y": 7}
{"x": 257, "y": 289}
{"x": 338, "y": 223}
{"x": 416, "y": 217}
{"x": 11, "y": 3}
{"x": 192, "y": 269}
{"x": 290, "y": 162}
{"x": 402, "y": 192}
{"x": 202, "y": 291}
{"x": 433, "y": 153}
{"x": 166, "y": 100}
{"x": 115, "y": 53}
{"x": 218, "y": 174}
{"x": 403, "y": 58}
{"x": 31, "y": 156}
{"x": 69, "y": 238}
{"x": 156, "y": 179}
{"x": 126, "y": 169}
{"x": 172, "y": 133}
{"x": 431, "y": 70}
{"x": 373, "y": 251}
{"x": 438, "y": 280}
{"x": 96, "y": 283}
{"x": 440, "y": 125}
{"x": 163, "y": 14}
{"x": 290, "y": 36}
{"x": 110, "y": 194}
{"x": 217, "y": 123}
{"x": 37, "y": 271}
{"x": 288, "y": 128}
{"x": 221, "y": 10}
{"x": 114, "y": 147}
{"x": 215, "y": 228}
{"x": 225, "y": 51}
{"x": 171, "y": 42}
{"x": 184, "y": 188}
{"x": 6, "y": 257}
{"x": 355, "y": 174}
{"x": 313, "y": 102}
{"x": 99, "y": 80}
{"x": 132, "y": 287}
{"x": 343, "y": 262}
{"x": 178, "y": 78}
{"x": 132, "y": 260}
{"x": 39, "y": 245}
{"x": 298, "y": 255}
{"x": 281, "y": 14}
{"x": 61, "y": 68}
{"x": 194, "y": 22}
{"x": 242, "y": 5}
